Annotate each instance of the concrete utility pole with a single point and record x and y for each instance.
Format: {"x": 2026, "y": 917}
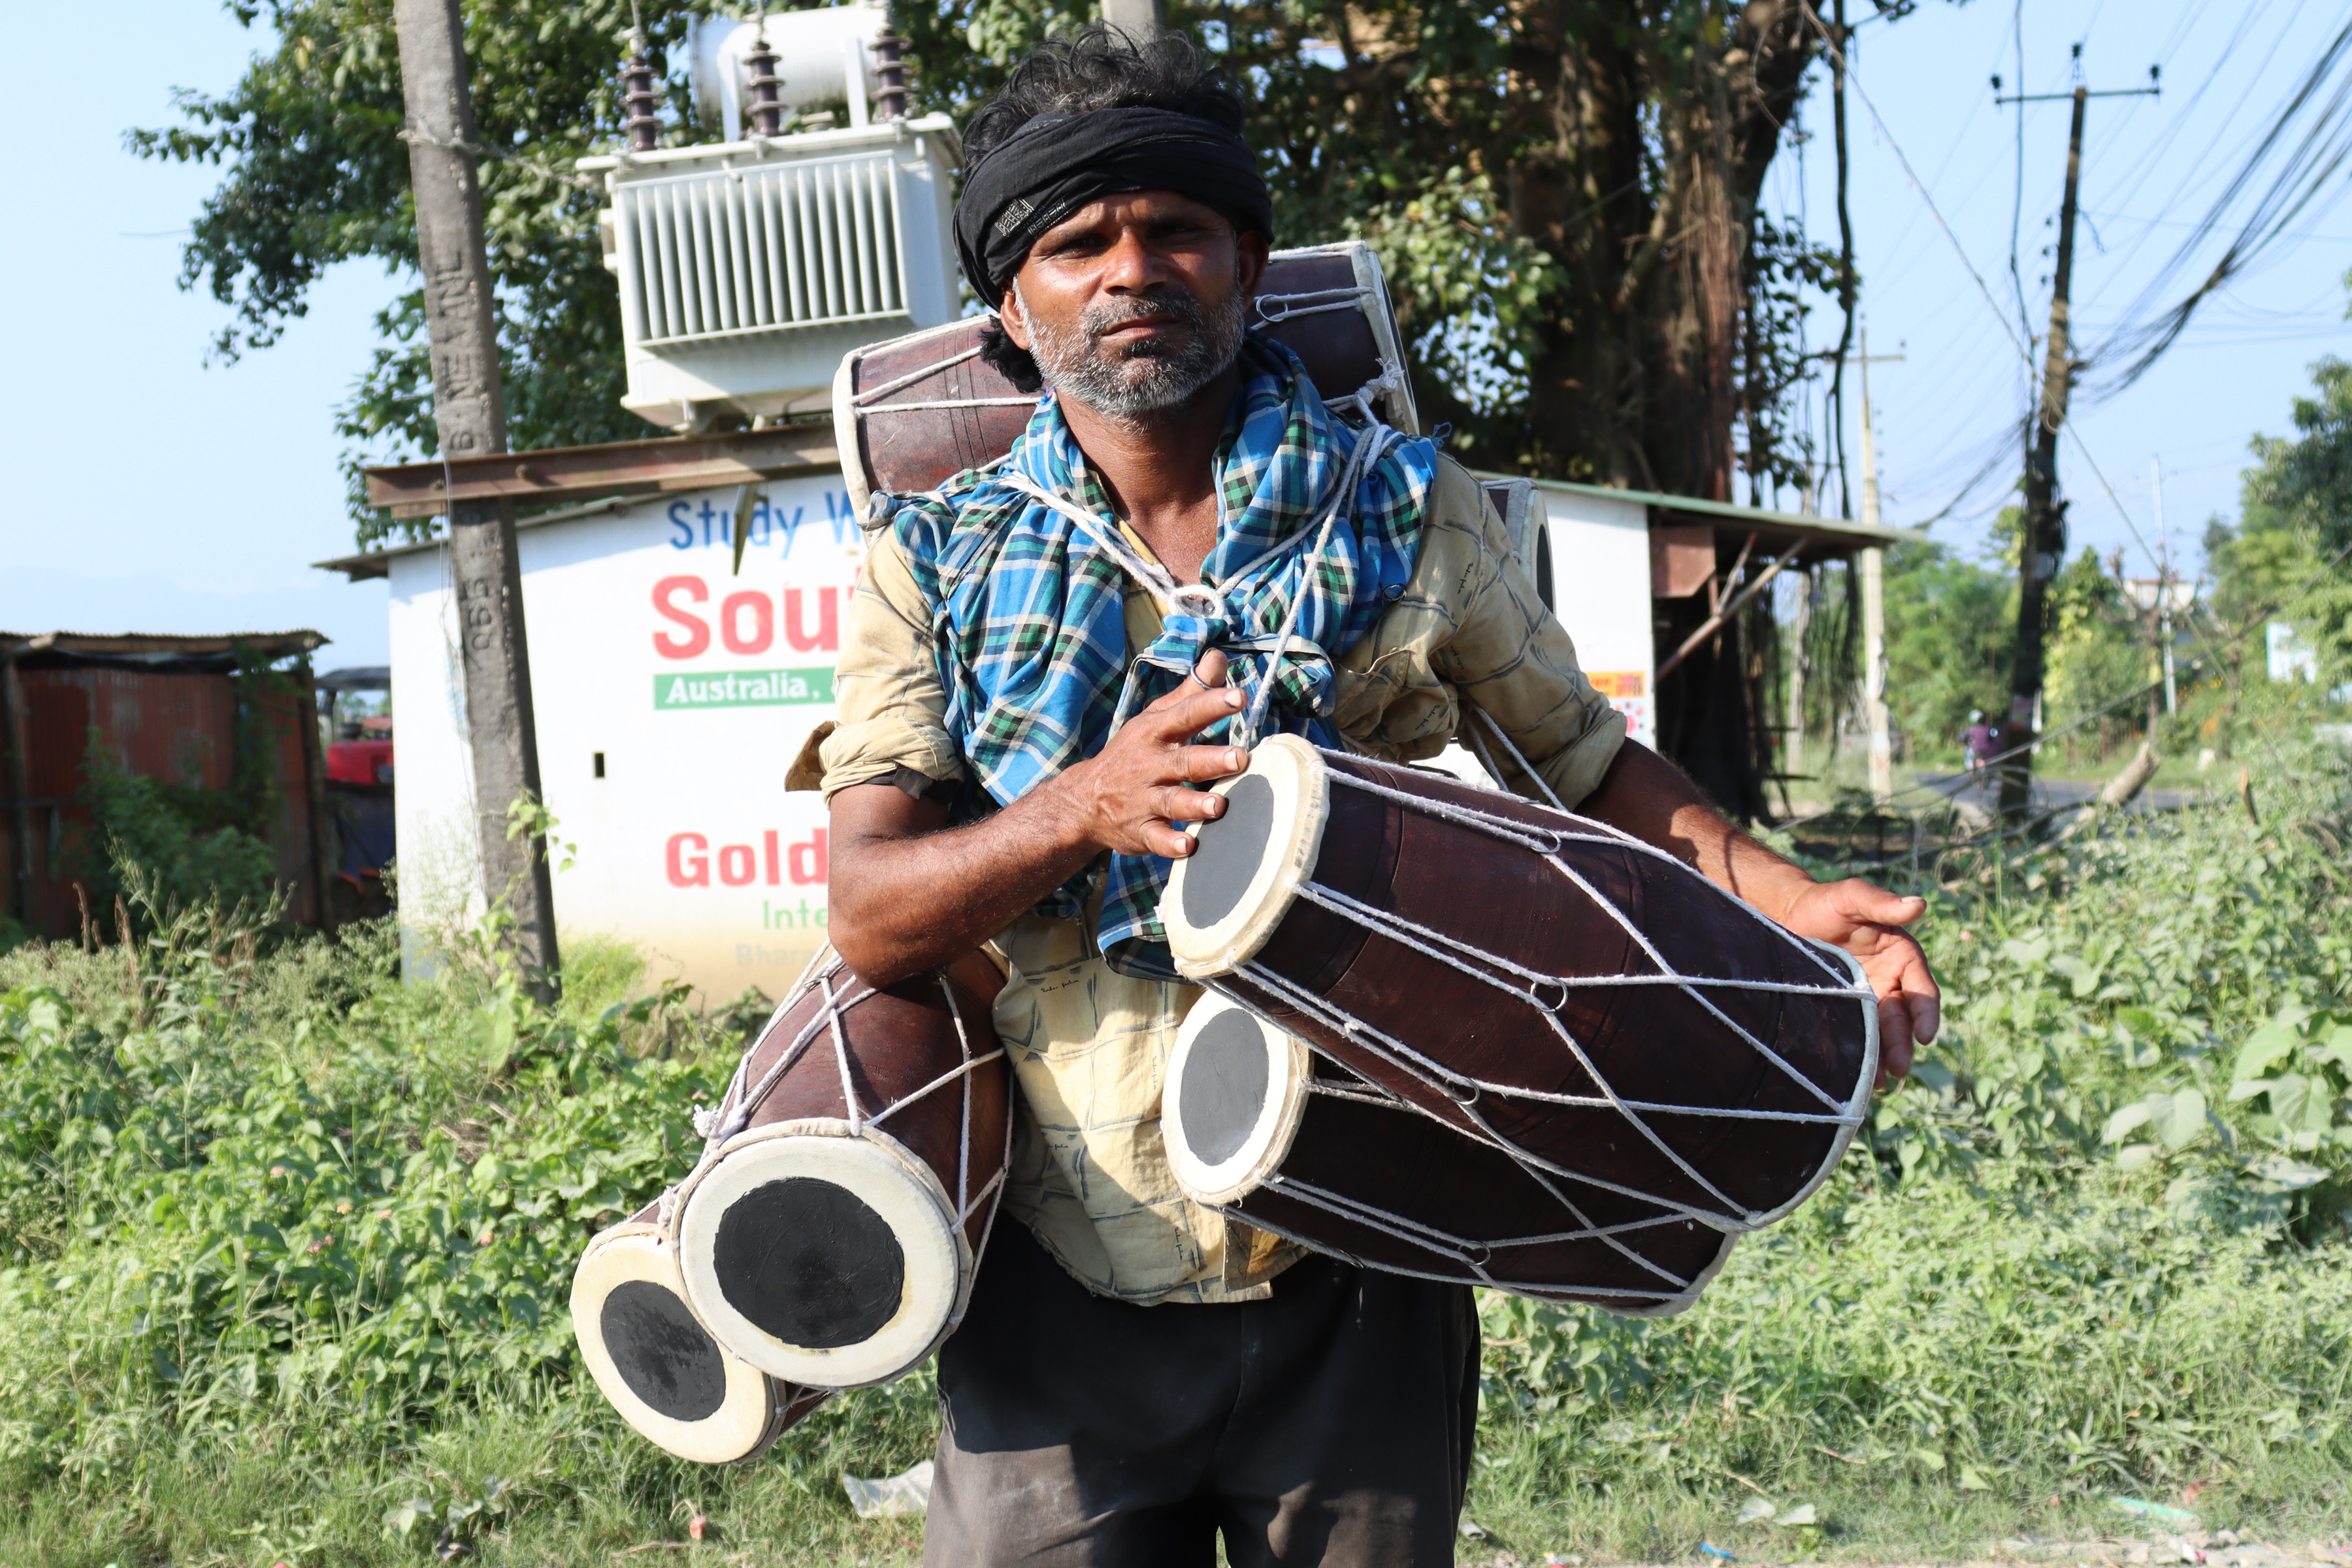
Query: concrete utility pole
{"x": 2164, "y": 589}
{"x": 2043, "y": 549}
{"x": 469, "y": 410}
{"x": 1138, "y": 19}
{"x": 1873, "y": 599}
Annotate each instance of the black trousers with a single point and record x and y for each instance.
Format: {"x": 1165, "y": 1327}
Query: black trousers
{"x": 1331, "y": 1424}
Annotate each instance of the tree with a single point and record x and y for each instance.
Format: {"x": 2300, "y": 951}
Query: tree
{"x": 315, "y": 174}
{"x": 2296, "y": 515}
{"x": 1947, "y": 643}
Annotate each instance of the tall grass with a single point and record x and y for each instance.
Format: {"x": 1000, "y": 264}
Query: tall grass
{"x": 285, "y": 1243}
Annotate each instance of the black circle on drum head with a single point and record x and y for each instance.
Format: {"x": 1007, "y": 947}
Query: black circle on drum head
{"x": 1223, "y": 1090}
{"x": 809, "y": 1262}
{"x": 1231, "y": 848}
{"x": 661, "y": 1353}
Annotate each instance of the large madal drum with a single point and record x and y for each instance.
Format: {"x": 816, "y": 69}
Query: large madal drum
{"x": 1258, "y": 1123}
{"x": 830, "y": 1235}
{"x": 1535, "y": 984}
{"x": 912, "y": 412}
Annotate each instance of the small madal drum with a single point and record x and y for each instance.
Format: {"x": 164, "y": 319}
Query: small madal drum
{"x": 829, "y": 1236}
{"x": 1258, "y": 1123}
{"x": 1533, "y": 981}
{"x": 658, "y": 1365}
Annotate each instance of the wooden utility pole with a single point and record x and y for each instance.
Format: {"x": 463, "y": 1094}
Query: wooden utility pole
{"x": 469, "y": 410}
{"x": 2042, "y": 548}
{"x": 1874, "y": 597}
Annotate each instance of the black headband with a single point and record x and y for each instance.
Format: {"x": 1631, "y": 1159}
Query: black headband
{"x": 1056, "y": 163}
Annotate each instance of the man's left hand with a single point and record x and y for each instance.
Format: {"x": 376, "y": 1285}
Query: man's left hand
{"x": 1867, "y": 922}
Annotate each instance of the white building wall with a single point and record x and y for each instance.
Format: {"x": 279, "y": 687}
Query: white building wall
{"x": 1601, "y": 591}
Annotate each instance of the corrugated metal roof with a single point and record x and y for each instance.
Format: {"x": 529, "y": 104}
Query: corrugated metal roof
{"x": 133, "y": 645}
{"x": 1825, "y": 529}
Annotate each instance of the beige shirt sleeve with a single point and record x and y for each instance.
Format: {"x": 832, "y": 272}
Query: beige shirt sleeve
{"x": 892, "y": 708}
{"x": 1470, "y": 629}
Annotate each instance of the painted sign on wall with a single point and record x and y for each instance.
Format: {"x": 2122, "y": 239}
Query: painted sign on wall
{"x": 671, "y": 697}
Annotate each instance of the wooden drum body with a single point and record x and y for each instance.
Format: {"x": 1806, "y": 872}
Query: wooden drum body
{"x": 656, "y": 1363}
{"x": 1544, "y": 1055}
{"x": 829, "y": 1238}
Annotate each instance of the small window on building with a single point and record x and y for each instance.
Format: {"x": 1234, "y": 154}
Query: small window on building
{"x": 600, "y": 765}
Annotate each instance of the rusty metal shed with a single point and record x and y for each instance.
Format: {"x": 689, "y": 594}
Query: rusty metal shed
{"x": 172, "y": 709}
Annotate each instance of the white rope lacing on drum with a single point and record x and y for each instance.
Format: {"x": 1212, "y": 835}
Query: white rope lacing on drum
{"x": 1587, "y": 830}
{"x": 917, "y": 373}
{"x": 962, "y": 1070}
{"x": 1470, "y": 1252}
{"x": 864, "y": 403}
{"x": 840, "y": 1053}
{"x": 1388, "y": 925}
{"x": 1487, "y": 758}
{"x": 1404, "y": 1058}
{"x": 1275, "y": 309}
{"x": 947, "y": 403}
{"x": 1543, "y": 1289}
{"x": 733, "y": 1112}
{"x": 964, "y": 1215}
{"x": 964, "y": 1142}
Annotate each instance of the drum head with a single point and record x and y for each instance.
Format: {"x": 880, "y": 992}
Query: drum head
{"x": 658, "y": 1365}
{"x": 1225, "y": 898}
{"x": 822, "y": 1257}
{"x": 1236, "y": 1087}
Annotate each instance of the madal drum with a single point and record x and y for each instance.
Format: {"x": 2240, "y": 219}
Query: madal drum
{"x": 1464, "y": 1035}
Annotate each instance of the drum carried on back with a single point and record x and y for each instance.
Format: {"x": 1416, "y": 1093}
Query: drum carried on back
{"x": 828, "y": 1237}
{"x": 1463, "y": 1034}
{"x": 915, "y": 412}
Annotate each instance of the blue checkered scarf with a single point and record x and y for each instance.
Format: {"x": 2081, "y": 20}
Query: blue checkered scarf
{"x": 1026, "y": 602}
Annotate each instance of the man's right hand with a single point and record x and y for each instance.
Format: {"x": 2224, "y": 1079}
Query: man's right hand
{"x": 1131, "y": 797}
{"x": 909, "y": 891}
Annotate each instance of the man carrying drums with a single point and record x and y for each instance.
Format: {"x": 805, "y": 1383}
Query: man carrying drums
{"x": 1185, "y": 548}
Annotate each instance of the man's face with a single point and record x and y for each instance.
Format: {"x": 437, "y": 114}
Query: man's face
{"x": 1134, "y": 303}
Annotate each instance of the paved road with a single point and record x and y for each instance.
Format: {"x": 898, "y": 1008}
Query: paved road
{"x": 1982, "y": 790}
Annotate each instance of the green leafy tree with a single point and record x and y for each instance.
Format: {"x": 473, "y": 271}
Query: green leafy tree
{"x": 1569, "y": 194}
{"x": 1948, "y": 644}
{"x": 315, "y": 174}
{"x": 2297, "y": 516}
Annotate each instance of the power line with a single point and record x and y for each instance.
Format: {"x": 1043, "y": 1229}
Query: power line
{"x": 2305, "y": 175}
{"x": 1837, "y": 54}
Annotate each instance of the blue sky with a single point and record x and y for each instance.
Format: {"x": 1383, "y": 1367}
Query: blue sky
{"x": 2151, "y": 167}
{"x": 153, "y": 492}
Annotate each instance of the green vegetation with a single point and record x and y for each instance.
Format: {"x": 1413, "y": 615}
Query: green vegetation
{"x": 284, "y": 1247}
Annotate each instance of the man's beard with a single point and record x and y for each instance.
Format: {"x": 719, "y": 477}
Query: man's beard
{"x": 1143, "y": 378}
